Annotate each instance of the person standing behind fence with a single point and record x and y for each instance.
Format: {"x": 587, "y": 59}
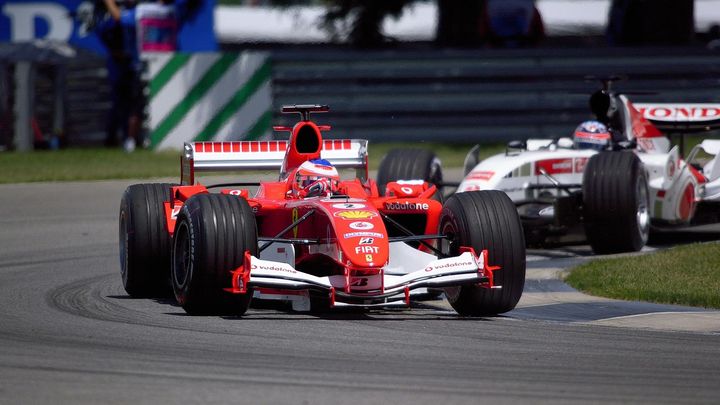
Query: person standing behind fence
{"x": 149, "y": 27}
{"x": 513, "y": 23}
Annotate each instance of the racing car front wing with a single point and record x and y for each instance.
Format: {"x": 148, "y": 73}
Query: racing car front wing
{"x": 266, "y": 275}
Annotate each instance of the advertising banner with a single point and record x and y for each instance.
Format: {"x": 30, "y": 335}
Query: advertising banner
{"x": 71, "y": 21}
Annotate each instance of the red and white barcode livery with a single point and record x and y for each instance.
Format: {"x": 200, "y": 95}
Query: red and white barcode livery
{"x": 309, "y": 236}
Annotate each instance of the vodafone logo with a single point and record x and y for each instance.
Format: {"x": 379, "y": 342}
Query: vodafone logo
{"x": 407, "y": 206}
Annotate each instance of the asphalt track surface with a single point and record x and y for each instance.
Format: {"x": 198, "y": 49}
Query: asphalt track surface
{"x": 70, "y": 334}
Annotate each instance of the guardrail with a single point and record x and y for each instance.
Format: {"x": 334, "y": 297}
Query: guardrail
{"x": 481, "y": 95}
{"x": 416, "y": 95}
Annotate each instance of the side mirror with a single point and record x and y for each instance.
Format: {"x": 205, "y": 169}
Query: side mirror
{"x": 471, "y": 159}
{"x": 514, "y": 146}
{"x": 565, "y": 143}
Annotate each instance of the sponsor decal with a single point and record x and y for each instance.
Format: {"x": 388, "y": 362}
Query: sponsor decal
{"x": 235, "y": 192}
{"x": 358, "y": 282}
{"x": 361, "y": 225}
{"x": 554, "y": 166}
{"x": 449, "y": 265}
{"x": 411, "y": 182}
{"x": 366, "y": 241}
{"x": 483, "y": 175}
{"x": 406, "y": 190}
{"x": 355, "y": 214}
{"x": 361, "y": 234}
{"x": 349, "y": 206}
{"x": 471, "y": 187}
{"x": 367, "y": 249}
{"x": 368, "y": 258}
{"x": 407, "y": 206}
{"x": 175, "y": 212}
{"x": 580, "y": 164}
{"x": 271, "y": 268}
{"x": 679, "y": 112}
{"x": 294, "y": 217}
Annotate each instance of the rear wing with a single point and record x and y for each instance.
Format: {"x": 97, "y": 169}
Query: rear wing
{"x": 265, "y": 155}
{"x": 686, "y": 117}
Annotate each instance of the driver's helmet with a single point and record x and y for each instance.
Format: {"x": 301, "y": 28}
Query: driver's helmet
{"x": 591, "y": 135}
{"x": 316, "y": 178}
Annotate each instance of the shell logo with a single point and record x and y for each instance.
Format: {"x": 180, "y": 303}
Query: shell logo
{"x": 355, "y": 214}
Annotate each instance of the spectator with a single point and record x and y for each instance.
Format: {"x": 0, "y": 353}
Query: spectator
{"x": 148, "y": 27}
{"x": 119, "y": 67}
{"x": 513, "y": 23}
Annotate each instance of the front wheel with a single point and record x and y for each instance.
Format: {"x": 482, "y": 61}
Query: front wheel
{"x": 212, "y": 234}
{"x": 615, "y": 203}
{"x": 485, "y": 220}
{"x": 145, "y": 240}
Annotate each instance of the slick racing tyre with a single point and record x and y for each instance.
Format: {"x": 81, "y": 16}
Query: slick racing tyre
{"x": 615, "y": 203}
{"x": 145, "y": 240}
{"x": 409, "y": 164}
{"x": 212, "y": 234}
{"x": 485, "y": 220}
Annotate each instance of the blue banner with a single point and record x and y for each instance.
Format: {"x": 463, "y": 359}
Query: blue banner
{"x": 27, "y": 20}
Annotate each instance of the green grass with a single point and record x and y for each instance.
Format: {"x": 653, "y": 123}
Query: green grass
{"x": 683, "y": 275}
{"x": 103, "y": 164}
{"x": 86, "y": 164}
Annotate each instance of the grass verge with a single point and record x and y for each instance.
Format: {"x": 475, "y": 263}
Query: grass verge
{"x": 683, "y": 275}
{"x": 102, "y": 164}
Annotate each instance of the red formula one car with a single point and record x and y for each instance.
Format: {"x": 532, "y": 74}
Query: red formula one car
{"x": 310, "y": 237}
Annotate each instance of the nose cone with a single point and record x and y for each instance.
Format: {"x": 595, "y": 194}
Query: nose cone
{"x": 361, "y": 234}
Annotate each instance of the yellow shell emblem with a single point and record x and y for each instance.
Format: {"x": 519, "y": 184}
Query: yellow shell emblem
{"x": 355, "y": 214}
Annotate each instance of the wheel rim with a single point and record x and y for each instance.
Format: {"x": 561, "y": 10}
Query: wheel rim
{"x": 642, "y": 214}
{"x": 181, "y": 258}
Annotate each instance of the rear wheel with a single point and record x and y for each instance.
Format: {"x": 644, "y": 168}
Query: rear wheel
{"x": 485, "y": 220}
{"x": 145, "y": 240}
{"x": 409, "y": 164}
{"x": 615, "y": 203}
{"x": 212, "y": 234}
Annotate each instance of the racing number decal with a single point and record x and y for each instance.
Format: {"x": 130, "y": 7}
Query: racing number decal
{"x": 294, "y": 217}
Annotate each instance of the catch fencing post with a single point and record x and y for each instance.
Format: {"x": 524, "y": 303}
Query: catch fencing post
{"x": 24, "y": 95}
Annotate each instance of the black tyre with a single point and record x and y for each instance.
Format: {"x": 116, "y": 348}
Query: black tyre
{"x": 409, "y": 164}
{"x": 615, "y": 203}
{"x": 212, "y": 234}
{"x": 145, "y": 241}
{"x": 486, "y": 220}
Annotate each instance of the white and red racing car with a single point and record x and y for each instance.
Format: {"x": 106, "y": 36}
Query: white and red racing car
{"x": 612, "y": 194}
{"x": 309, "y": 236}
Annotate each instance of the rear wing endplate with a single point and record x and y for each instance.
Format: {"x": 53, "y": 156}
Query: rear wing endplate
{"x": 264, "y": 155}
